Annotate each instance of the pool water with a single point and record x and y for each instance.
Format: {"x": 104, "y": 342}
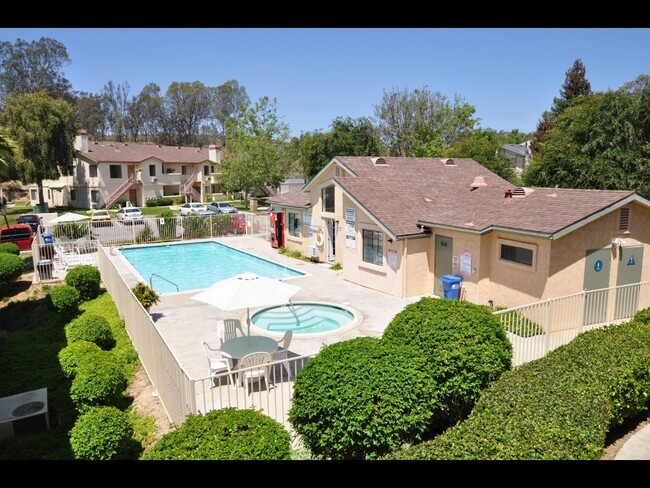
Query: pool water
{"x": 302, "y": 318}
{"x": 197, "y": 265}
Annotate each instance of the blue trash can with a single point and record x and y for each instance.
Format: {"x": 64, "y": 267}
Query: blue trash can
{"x": 451, "y": 286}
{"x": 47, "y": 239}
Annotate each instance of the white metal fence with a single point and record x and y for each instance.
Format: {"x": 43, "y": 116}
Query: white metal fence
{"x": 538, "y": 328}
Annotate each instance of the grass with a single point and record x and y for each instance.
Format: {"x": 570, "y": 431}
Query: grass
{"x": 292, "y": 253}
{"x": 336, "y": 267}
{"x": 520, "y": 325}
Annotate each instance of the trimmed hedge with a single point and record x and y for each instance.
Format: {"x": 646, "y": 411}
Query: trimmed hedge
{"x": 64, "y": 299}
{"x": 71, "y": 356}
{"x": 90, "y": 327}
{"x": 225, "y": 434}
{"x": 362, "y": 398}
{"x": 86, "y": 279}
{"x": 558, "y": 407}
{"x": 103, "y": 434}
{"x": 98, "y": 382}
{"x": 10, "y": 248}
{"x": 160, "y": 202}
{"x": 11, "y": 267}
{"x": 465, "y": 346}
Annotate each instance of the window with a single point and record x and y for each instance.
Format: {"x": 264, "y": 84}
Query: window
{"x": 94, "y": 196}
{"x": 73, "y": 195}
{"x": 373, "y": 247}
{"x": 116, "y": 170}
{"x": 152, "y": 170}
{"x": 515, "y": 254}
{"x": 92, "y": 170}
{"x": 337, "y": 170}
{"x": 208, "y": 170}
{"x": 294, "y": 224}
{"x": 327, "y": 195}
{"x": 34, "y": 194}
{"x": 186, "y": 170}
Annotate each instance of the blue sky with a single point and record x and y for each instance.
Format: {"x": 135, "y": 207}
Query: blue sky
{"x": 316, "y": 74}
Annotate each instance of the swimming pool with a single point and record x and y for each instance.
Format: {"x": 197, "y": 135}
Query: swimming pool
{"x": 304, "y": 318}
{"x": 196, "y": 265}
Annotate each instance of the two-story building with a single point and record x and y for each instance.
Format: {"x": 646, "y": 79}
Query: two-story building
{"x": 398, "y": 225}
{"x": 106, "y": 173}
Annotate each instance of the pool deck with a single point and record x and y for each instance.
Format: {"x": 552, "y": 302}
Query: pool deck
{"x": 184, "y": 322}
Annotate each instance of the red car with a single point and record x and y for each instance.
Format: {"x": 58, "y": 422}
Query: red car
{"x": 20, "y": 234}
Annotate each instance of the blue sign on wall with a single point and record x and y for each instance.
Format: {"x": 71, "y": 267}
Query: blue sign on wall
{"x": 598, "y": 265}
{"x": 631, "y": 261}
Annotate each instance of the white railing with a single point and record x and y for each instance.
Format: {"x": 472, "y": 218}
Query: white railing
{"x": 537, "y": 328}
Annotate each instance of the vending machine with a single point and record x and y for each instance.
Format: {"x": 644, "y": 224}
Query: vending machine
{"x": 277, "y": 229}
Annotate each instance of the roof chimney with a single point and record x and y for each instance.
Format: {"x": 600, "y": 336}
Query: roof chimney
{"x": 214, "y": 153}
{"x": 81, "y": 141}
{"x": 478, "y": 182}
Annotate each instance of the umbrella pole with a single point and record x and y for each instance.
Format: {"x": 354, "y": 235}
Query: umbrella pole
{"x": 248, "y": 323}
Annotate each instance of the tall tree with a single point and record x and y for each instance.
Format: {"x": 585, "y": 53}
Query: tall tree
{"x": 43, "y": 128}
{"x": 116, "y": 105}
{"x": 8, "y": 147}
{"x": 186, "y": 108}
{"x": 413, "y": 122}
{"x": 575, "y": 85}
{"x": 150, "y": 103}
{"x": 91, "y": 115}
{"x": 230, "y": 101}
{"x": 27, "y": 67}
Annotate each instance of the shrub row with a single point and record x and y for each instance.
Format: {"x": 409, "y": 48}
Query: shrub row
{"x": 558, "y": 407}
{"x": 363, "y": 398}
{"x": 10, "y": 247}
{"x": 11, "y": 267}
{"x": 161, "y": 202}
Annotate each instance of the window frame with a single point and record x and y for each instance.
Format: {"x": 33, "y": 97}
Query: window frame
{"x": 92, "y": 168}
{"x": 115, "y": 169}
{"x": 519, "y": 264}
{"x": 293, "y": 224}
{"x": 152, "y": 170}
{"x": 376, "y": 237}
{"x": 325, "y": 199}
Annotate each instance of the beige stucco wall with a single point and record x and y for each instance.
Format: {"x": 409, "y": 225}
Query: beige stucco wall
{"x": 418, "y": 272}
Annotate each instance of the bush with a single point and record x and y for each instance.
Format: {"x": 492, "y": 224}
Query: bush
{"x": 10, "y": 247}
{"x": 167, "y": 230}
{"x": 160, "y": 202}
{"x": 71, "y": 356}
{"x": 103, "y": 434}
{"x": 145, "y": 235}
{"x": 64, "y": 299}
{"x": 86, "y": 279}
{"x": 11, "y": 268}
{"x": 361, "y": 398}
{"x": 90, "y": 327}
{"x": 99, "y": 382}
{"x": 146, "y": 295}
{"x": 225, "y": 434}
{"x": 465, "y": 346}
{"x": 196, "y": 227}
{"x": 558, "y": 407}
{"x": 71, "y": 230}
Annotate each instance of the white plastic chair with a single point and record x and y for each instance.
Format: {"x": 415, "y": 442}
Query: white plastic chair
{"x": 227, "y": 329}
{"x": 282, "y": 352}
{"x": 253, "y": 367}
{"x": 218, "y": 361}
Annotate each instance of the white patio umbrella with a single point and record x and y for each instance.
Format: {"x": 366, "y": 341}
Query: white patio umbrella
{"x": 68, "y": 217}
{"x": 247, "y": 290}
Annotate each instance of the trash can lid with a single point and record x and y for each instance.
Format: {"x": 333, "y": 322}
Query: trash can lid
{"x": 452, "y": 278}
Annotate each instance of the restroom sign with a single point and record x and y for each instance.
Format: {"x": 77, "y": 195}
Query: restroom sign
{"x": 598, "y": 265}
{"x": 631, "y": 261}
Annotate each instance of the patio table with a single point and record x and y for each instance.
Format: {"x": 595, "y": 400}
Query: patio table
{"x": 239, "y": 347}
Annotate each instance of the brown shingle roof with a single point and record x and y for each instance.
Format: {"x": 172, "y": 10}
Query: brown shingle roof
{"x": 294, "y": 198}
{"x": 120, "y": 152}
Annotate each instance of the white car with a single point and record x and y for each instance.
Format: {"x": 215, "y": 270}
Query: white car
{"x": 129, "y": 214}
{"x": 192, "y": 208}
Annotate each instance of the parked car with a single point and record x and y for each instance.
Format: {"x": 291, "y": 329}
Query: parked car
{"x": 222, "y": 208}
{"x": 129, "y": 214}
{"x": 32, "y": 220}
{"x": 204, "y": 213}
{"x": 100, "y": 218}
{"x": 20, "y": 234}
{"x": 192, "y": 208}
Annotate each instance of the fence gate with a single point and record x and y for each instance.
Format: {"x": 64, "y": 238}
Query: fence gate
{"x": 597, "y": 269}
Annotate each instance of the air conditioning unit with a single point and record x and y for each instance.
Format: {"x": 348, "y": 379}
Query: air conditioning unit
{"x": 313, "y": 251}
{"x": 154, "y": 179}
{"x": 23, "y": 414}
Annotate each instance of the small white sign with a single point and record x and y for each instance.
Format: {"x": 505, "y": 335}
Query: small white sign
{"x": 349, "y": 227}
{"x": 392, "y": 258}
{"x": 350, "y": 214}
{"x": 350, "y": 241}
{"x": 466, "y": 263}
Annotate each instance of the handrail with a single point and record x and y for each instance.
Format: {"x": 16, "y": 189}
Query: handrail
{"x": 293, "y": 311}
{"x": 168, "y": 281}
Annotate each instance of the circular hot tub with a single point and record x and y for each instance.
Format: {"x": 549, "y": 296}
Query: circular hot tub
{"x": 305, "y": 318}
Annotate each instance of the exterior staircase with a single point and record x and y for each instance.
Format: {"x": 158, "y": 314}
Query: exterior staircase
{"x": 188, "y": 189}
{"x": 130, "y": 182}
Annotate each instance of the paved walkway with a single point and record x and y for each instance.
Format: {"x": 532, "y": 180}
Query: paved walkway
{"x": 636, "y": 447}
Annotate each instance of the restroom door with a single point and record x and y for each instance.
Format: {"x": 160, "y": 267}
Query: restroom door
{"x": 442, "y": 262}
{"x": 629, "y": 272}
{"x": 597, "y": 268}
{"x": 331, "y": 240}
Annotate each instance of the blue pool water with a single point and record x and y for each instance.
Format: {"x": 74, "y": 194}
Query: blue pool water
{"x": 196, "y": 265}
{"x": 305, "y": 318}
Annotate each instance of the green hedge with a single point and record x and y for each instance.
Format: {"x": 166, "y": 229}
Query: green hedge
{"x": 465, "y": 346}
{"x": 98, "y": 382}
{"x": 225, "y": 434}
{"x": 361, "y": 398}
{"x": 90, "y": 327}
{"x": 71, "y": 356}
{"x": 558, "y": 407}
{"x": 86, "y": 279}
{"x": 161, "y": 202}
{"x": 11, "y": 268}
{"x": 103, "y": 434}
{"x": 64, "y": 299}
{"x": 10, "y": 247}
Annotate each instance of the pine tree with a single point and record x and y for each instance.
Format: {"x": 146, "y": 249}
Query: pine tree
{"x": 575, "y": 85}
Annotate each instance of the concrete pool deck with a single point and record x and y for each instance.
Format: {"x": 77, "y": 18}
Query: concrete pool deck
{"x": 184, "y": 322}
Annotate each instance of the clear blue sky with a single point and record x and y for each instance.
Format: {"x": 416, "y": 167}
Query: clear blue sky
{"x": 316, "y": 74}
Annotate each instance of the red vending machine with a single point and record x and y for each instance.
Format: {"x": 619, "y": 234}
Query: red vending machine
{"x": 277, "y": 229}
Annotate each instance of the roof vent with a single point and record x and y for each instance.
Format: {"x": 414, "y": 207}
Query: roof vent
{"x": 178, "y": 147}
{"x": 521, "y": 192}
{"x": 379, "y": 160}
{"x": 478, "y": 182}
{"x": 450, "y": 162}
{"x": 125, "y": 144}
{"x": 159, "y": 145}
{"x": 95, "y": 143}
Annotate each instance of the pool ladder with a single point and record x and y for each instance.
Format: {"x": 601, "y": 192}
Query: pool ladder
{"x": 161, "y": 277}
{"x": 293, "y": 311}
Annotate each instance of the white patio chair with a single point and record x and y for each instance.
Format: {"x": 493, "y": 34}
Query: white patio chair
{"x": 282, "y": 352}
{"x": 218, "y": 361}
{"x": 227, "y": 329}
{"x": 253, "y": 367}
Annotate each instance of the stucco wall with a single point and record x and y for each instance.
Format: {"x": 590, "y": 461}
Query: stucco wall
{"x": 418, "y": 275}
